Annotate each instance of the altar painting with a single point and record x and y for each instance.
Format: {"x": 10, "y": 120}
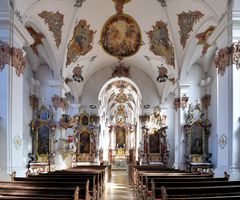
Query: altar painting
{"x": 120, "y": 137}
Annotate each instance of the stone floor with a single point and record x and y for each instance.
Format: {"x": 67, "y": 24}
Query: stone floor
{"x": 119, "y": 187}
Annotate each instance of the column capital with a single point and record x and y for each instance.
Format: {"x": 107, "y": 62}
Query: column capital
{"x": 183, "y": 86}
{"x": 205, "y": 82}
{"x": 34, "y": 82}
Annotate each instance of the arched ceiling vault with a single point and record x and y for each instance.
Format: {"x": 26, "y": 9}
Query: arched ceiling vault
{"x": 94, "y": 13}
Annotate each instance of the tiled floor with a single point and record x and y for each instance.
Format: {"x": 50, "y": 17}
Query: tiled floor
{"x": 119, "y": 188}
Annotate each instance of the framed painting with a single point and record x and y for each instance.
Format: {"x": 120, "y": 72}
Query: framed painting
{"x": 84, "y": 119}
{"x": 154, "y": 143}
{"x": 196, "y": 139}
{"x": 85, "y": 142}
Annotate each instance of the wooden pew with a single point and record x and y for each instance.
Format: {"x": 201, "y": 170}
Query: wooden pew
{"x": 95, "y": 179}
{"x": 214, "y": 192}
{"x": 61, "y": 182}
{"x": 30, "y": 192}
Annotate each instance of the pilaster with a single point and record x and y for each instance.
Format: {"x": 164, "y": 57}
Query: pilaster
{"x": 182, "y": 90}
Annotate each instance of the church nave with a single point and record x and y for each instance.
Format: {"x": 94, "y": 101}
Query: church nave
{"x": 119, "y": 187}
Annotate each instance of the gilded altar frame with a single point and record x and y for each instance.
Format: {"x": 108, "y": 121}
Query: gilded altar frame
{"x": 157, "y": 150}
{"x": 197, "y": 135}
{"x": 41, "y": 129}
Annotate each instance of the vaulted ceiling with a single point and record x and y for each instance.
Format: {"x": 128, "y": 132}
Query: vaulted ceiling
{"x": 179, "y": 22}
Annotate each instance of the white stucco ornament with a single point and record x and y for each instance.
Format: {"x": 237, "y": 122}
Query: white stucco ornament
{"x": 222, "y": 141}
{"x": 17, "y": 141}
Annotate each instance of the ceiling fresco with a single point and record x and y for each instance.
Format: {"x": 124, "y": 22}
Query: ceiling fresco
{"x": 113, "y": 30}
{"x": 121, "y": 36}
{"x": 81, "y": 42}
{"x": 38, "y": 37}
{"x": 186, "y": 20}
{"x": 55, "y": 24}
{"x": 203, "y": 37}
{"x": 160, "y": 43}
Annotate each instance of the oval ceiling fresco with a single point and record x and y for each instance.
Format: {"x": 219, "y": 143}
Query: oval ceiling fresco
{"x": 121, "y": 36}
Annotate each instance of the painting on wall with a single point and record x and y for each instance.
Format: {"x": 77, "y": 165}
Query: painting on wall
{"x": 55, "y": 24}
{"x": 121, "y": 36}
{"x": 43, "y": 140}
{"x": 81, "y": 42}
{"x": 84, "y": 119}
{"x": 154, "y": 143}
{"x": 203, "y": 37}
{"x": 85, "y": 142}
{"x": 186, "y": 22}
{"x": 160, "y": 43}
{"x": 120, "y": 137}
{"x": 197, "y": 140}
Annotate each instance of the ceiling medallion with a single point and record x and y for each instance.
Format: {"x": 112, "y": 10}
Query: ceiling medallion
{"x": 186, "y": 22}
{"x": 81, "y": 42}
{"x": 77, "y": 74}
{"x": 121, "y": 35}
{"x": 160, "y": 44}
{"x": 79, "y": 3}
{"x": 162, "y": 74}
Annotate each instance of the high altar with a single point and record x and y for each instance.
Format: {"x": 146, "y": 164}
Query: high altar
{"x": 121, "y": 135}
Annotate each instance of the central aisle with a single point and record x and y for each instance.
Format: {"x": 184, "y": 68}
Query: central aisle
{"x": 119, "y": 187}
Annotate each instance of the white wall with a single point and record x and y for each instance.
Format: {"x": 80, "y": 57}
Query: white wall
{"x": 212, "y": 114}
{"x": 3, "y": 121}
{"x": 44, "y": 75}
{"x": 170, "y": 130}
{"x": 195, "y": 75}
{"x": 27, "y": 114}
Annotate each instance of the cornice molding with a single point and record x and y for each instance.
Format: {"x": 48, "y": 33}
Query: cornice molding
{"x": 184, "y": 84}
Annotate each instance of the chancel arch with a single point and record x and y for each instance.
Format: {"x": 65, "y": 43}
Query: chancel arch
{"x": 120, "y": 105}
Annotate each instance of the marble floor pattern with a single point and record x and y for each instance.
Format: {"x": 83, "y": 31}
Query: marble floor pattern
{"x": 119, "y": 187}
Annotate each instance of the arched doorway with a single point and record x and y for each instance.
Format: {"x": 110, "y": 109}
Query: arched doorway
{"x": 120, "y": 107}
